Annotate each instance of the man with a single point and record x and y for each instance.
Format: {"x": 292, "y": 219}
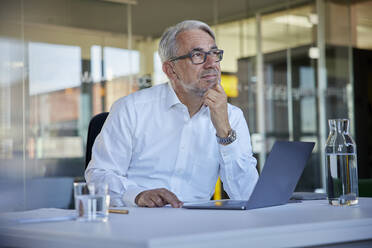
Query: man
{"x": 169, "y": 143}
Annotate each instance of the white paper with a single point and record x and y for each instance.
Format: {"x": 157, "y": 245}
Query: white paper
{"x": 37, "y": 216}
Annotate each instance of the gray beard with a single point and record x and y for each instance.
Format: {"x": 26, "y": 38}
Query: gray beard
{"x": 196, "y": 91}
{"x": 199, "y": 92}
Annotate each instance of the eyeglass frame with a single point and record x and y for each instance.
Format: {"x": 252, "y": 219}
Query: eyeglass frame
{"x": 189, "y": 55}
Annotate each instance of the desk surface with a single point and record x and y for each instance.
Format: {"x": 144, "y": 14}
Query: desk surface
{"x": 298, "y": 224}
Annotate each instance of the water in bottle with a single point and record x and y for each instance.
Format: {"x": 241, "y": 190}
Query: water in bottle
{"x": 341, "y": 165}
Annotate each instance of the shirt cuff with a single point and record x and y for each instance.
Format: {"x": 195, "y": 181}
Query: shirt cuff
{"x": 130, "y": 194}
{"x": 229, "y": 152}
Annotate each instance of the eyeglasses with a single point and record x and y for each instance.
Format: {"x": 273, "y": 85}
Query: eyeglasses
{"x": 199, "y": 57}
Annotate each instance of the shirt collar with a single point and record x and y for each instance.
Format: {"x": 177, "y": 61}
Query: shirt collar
{"x": 171, "y": 97}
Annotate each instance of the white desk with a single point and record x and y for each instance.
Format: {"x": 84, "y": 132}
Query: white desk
{"x": 309, "y": 223}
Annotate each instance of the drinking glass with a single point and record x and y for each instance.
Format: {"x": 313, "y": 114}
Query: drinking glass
{"x": 91, "y": 201}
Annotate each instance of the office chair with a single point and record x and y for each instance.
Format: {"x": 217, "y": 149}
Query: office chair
{"x": 95, "y": 126}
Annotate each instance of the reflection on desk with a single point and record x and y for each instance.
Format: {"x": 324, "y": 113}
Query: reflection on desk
{"x": 310, "y": 223}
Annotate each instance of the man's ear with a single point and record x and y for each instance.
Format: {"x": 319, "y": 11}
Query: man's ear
{"x": 169, "y": 70}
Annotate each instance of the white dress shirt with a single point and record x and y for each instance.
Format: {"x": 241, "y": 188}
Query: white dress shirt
{"x": 149, "y": 141}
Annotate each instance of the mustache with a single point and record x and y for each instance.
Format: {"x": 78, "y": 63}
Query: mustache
{"x": 209, "y": 72}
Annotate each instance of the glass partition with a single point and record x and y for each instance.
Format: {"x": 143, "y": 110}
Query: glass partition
{"x": 58, "y": 68}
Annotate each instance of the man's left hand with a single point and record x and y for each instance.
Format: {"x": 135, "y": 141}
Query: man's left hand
{"x": 216, "y": 99}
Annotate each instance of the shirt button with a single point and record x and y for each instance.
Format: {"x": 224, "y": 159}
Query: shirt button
{"x": 179, "y": 172}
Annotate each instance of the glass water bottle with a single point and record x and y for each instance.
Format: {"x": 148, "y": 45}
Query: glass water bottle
{"x": 341, "y": 164}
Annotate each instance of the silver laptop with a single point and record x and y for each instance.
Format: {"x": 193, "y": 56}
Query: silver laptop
{"x": 278, "y": 179}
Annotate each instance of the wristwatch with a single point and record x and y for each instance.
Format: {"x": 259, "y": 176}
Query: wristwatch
{"x": 231, "y": 137}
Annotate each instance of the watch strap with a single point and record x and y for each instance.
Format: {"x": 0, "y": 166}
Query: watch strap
{"x": 231, "y": 137}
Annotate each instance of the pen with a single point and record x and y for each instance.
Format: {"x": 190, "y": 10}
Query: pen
{"x": 118, "y": 211}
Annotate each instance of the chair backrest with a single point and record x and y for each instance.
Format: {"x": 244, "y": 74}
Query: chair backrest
{"x": 95, "y": 126}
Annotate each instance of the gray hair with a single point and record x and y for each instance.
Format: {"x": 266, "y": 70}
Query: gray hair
{"x": 168, "y": 43}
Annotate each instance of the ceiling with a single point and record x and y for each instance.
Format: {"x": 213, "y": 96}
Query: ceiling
{"x": 152, "y": 16}
{"x": 149, "y": 17}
